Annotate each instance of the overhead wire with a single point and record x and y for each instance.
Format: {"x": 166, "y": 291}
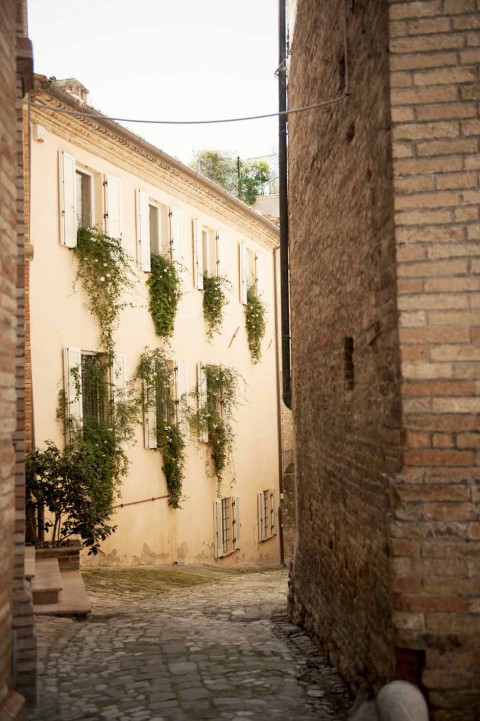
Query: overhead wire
{"x": 100, "y": 116}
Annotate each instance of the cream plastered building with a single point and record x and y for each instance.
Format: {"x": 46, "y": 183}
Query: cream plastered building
{"x": 92, "y": 171}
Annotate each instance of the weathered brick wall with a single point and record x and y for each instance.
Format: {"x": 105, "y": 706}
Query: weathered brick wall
{"x": 343, "y": 286}
{"x": 8, "y": 252}
{"x": 435, "y": 93}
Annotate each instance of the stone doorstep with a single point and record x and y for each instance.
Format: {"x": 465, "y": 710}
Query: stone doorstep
{"x": 47, "y": 582}
{"x": 72, "y": 599}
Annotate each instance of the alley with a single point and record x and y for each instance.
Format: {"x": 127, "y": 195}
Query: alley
{"x": 219, "y": 650}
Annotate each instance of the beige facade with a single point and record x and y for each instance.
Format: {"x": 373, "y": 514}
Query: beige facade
{"x": 122, "y": 171}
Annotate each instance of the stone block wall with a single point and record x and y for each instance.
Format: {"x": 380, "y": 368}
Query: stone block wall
{"x": 435, "y": 93}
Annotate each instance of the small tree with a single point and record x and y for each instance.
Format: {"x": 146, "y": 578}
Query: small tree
{"x": 242, "y": 178}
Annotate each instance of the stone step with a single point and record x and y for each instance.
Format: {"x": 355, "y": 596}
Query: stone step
{"x": 47, "y": 582}
{"x": 29, "y": 562}
{"x": 72, "y": 599}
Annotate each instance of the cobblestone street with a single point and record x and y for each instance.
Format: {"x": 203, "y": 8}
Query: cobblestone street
{"x": 219, "y": 650}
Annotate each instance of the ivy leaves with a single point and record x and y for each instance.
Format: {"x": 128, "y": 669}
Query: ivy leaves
{"x": 214, "y": 300}
{"x": 255, "y": 324}
{"x": 105, "y": 272}
{"x": 165, "y": 294}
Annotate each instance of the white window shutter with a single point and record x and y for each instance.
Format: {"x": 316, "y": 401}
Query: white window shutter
{"x": 68, "y": 200}
{"x": 143, "y": 231}
{"x": 198, "y": 253}
{"x": 260, "y": 274}
{"x": 113, "y": 207}
{"x": 218, "y": 528}
{"x": 273, "y": 511}
{"x": 221, "y": 255}
{"x": 202, "y": 395}
{"x": 243, "y": 273}
{"x": 236, "y": 522}
{"x": 176, "y": 239}
{"x": 118, "y": 376}
{"x": 261, "y": 517}
{"x": 150, "y": 418}
{"x": 73, "y": 383}
{"x": 181, "y": 389}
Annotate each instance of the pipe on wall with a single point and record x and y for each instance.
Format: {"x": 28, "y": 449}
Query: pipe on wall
{"x": 283, "y": 201}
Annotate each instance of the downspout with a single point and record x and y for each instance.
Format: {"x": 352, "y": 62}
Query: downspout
{"x": 279, "y": 410}
{"x": 283, "y": 201}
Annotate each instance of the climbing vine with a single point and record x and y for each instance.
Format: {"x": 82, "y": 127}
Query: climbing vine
{"x": 157, "y": 382}
{"x": 214, "y": 300}
{"x": 212, "y": 420}
{"x": 105, "y": 272}
{"x": 165, "y": 294}
{"x": 255, "y": 312}
{"x": 79, "y": 483}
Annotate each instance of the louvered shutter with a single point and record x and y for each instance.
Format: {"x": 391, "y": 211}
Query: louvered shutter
{"x": 221, "y": 255}
{"x": 113, "y": 207}
{"x": 181, "y": 388}
{"x": 143, "y": 231}
{"x": 236, "y": 522}
{"x": 73, "y": 383}
{"x": 176, "y": 239}
{"x": 202, "y": 395}
{"x": 68, "y": 200}
{"x": 273, "y": 512}
{"x": 218, "y": 528}
{"x": 198, "y": 253}
{"x": 149, "y": 417}
{"x": 260, "y": 276}
{"x": 243, "y": 273}
{"x": 261, "y": 517}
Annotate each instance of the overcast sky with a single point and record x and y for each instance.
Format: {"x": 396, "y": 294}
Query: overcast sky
{"x": 168, "y": 59}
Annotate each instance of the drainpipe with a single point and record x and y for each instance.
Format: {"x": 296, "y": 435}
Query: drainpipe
{"x": 279, "y": 409}
{"x": 283, "y": 200}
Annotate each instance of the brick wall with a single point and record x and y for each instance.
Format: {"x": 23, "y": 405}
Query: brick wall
{"x": 15, "y": 604}
{"x": 435, "y": 93}
{"x": 8, "y": 332}
{"x": 384, "y": 251}
{"x": 343, "y": 287}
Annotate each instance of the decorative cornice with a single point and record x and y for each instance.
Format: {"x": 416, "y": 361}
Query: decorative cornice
{"x": 101, "y": 135}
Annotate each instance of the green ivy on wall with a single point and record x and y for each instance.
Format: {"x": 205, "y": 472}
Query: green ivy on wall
{"x": 214, "y": 300}
{"x": 255, "y": 313}
{"x": 164, "y": 286}
{"x": 213, "y": 416}
{"x": 105, "y": 271}
{"x": 157, "y": 383}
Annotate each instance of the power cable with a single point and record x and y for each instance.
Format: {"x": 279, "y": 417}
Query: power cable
{"x": 100, "y": 116}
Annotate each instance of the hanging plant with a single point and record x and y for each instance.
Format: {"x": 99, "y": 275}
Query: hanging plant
{"x": 105, "y": 272}
{"x": 165, "y": 294}
{"x": 157, "y": 382}
{"x": 255, "y": 312}
{"x": 214, "y": 299}
{"x": 213, "y": 417}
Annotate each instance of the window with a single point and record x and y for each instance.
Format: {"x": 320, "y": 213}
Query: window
{"x": 77, "y": 198}
{"x": 159, "y": 231}
{"x": 267, "y": 514}
{"x": 209, "y": 252}
{"x": 84, "y": 199}
{"x": 251, "y": 265}
{"x": 91, "y": 385}
{"x": 163, "y": 394}
{"x": 113, "y": 206}
{"x": 227, "y": 526}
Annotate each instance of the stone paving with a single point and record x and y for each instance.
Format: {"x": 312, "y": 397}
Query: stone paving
{"x": 222, "y": 650}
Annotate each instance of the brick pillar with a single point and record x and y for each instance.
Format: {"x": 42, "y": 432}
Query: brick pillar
{"x": 435, "y": 92}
